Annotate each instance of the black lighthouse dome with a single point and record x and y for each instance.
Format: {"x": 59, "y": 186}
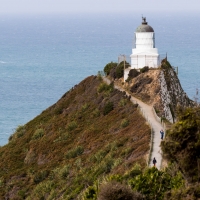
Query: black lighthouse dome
{"x": 144, "y": 27}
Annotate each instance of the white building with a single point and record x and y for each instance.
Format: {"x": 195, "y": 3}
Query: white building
{"x": 144, "y": 53}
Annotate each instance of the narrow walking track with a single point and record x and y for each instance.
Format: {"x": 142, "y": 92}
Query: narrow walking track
{"x": 156, "y": 126}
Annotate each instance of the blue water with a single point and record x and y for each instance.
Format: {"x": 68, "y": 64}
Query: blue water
{"x": 42, "y": 57}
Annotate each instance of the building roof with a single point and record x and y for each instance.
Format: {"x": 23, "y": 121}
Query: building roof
{"x": 144, "y": 27}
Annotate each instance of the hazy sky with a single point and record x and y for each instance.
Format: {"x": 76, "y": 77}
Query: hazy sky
{"x": 68, "y": 6}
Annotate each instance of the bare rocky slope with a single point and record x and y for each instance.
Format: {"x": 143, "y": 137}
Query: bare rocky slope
{"x": 160, "y": 88}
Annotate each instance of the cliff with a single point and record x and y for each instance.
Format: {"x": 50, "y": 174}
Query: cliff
{"x": 160, "y": 88}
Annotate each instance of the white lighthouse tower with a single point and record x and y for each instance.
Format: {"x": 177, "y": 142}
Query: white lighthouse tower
{"x": 144, "y": 53}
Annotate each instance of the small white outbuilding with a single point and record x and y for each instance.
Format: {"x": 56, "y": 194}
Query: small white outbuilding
{"x": 144, "y": 53}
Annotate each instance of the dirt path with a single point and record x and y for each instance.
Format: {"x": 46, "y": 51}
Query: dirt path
{"x": 156, "y": 126}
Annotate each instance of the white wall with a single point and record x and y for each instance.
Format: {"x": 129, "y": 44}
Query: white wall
{"x": 139, "y": 61}
{"x": 144, "y": 40}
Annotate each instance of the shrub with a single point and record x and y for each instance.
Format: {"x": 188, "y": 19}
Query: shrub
{"x": 40, "y": 176}
{"x": 165, "y": 64}
{"x": 113, "y": 73}
{"x": 133, "y": 73}
{"x": 96, "y": 113}
{"x": 22, "y": 194}
{"x": 123, "y": 102}
{"x": 42, "y": 190}
{"x": 75, "y": 152}
{"x": 153, "y": 183}
{"x": 119, "y": 71}
{"x": 144, "y": 69}
{"x": 64, "y": 172}
{"x": 124, "y": 123}
{"x": 99, "y": 156}
{"x": 85, "y": 107}
{"x": 19, "y": 132}
{"x": 117, "y": 191}
{"x": 183, "y": 142}
{"x": 91, "y": 192}
{"x": 38, "y": 134}
{"x": 105, "y": 87}
{"x": 108, "y": 108}
{"x": 71, "y": 126}
{"x": 104, "y": 167}
{"x": 1, "y": 182}
{"x": 108, "y": 67}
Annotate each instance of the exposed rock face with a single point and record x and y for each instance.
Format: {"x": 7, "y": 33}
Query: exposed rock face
{"x": 171, "y": 92}
{"x": 160, "y": 88}
{"x": 165, "y": 97}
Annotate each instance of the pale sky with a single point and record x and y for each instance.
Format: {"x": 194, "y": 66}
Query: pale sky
{"x": 88, "y": 6}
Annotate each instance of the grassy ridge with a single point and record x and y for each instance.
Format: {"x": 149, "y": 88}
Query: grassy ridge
{"x": 92, "y": 131}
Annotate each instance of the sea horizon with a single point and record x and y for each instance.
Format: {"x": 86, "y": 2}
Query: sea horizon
{"x": 43, "y": 56}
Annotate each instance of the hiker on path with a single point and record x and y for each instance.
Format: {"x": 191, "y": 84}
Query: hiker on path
{"x": 162, "y": 134}
{"x": 154, "y": 162}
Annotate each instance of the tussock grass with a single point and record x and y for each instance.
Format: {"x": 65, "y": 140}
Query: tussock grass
{"x": 74, "y": 144}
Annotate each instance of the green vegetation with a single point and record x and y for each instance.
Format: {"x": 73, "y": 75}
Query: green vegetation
{"x": 183, "y": 142}
{"x": 182, "y": 146}
{"x": 148, "y": 184}
{"x": 117, "y": 71}
{"x": 165, "y": 64}
{"x": 74, "y": 152}
{"x": 73, "y": 144}
{"x": 124, "y": 123}
{"x": 132, "y": 74}
{"x": 103, "y": 87}
{"x": 144, "y": 69}
{"x": 38, "y": 134}
{"x": 109, "y": 67}
{"x": 114, "y": 190}
{"x": 92, "y": 145}
{"x": 19, "y": 132}
{"x": 71, "y": 126}
{"x": 108, "y": 108}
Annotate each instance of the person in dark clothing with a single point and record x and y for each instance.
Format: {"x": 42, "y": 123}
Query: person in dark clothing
{"x": 154, "y": 162}
{"x": 162, "y": 134}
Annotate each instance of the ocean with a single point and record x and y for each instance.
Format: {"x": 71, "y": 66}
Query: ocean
{"x": 42, "y": 57}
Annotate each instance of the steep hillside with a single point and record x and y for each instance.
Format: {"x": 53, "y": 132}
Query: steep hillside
{"x": 182, "y": 146}
{"x": 158, "y": 87}
{"x": 92, "y": 131}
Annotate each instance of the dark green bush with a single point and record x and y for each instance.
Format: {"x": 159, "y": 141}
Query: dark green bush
{"x": 108, "y": 107}
{"x": 165, "y": 64}
{"x": 113, "y": 73}
{"x": 182, "y": 142}
{"x": 132, "y": 74}
{"x": 109, "y": 66}
{"x": 119, "y": 71}
{"x": 144, "y": 69}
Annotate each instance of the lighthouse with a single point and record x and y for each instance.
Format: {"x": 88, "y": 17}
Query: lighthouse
{"x": 144, "y": 52}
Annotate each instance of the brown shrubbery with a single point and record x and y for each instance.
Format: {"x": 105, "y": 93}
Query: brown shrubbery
{"x": 117, "y": 191}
